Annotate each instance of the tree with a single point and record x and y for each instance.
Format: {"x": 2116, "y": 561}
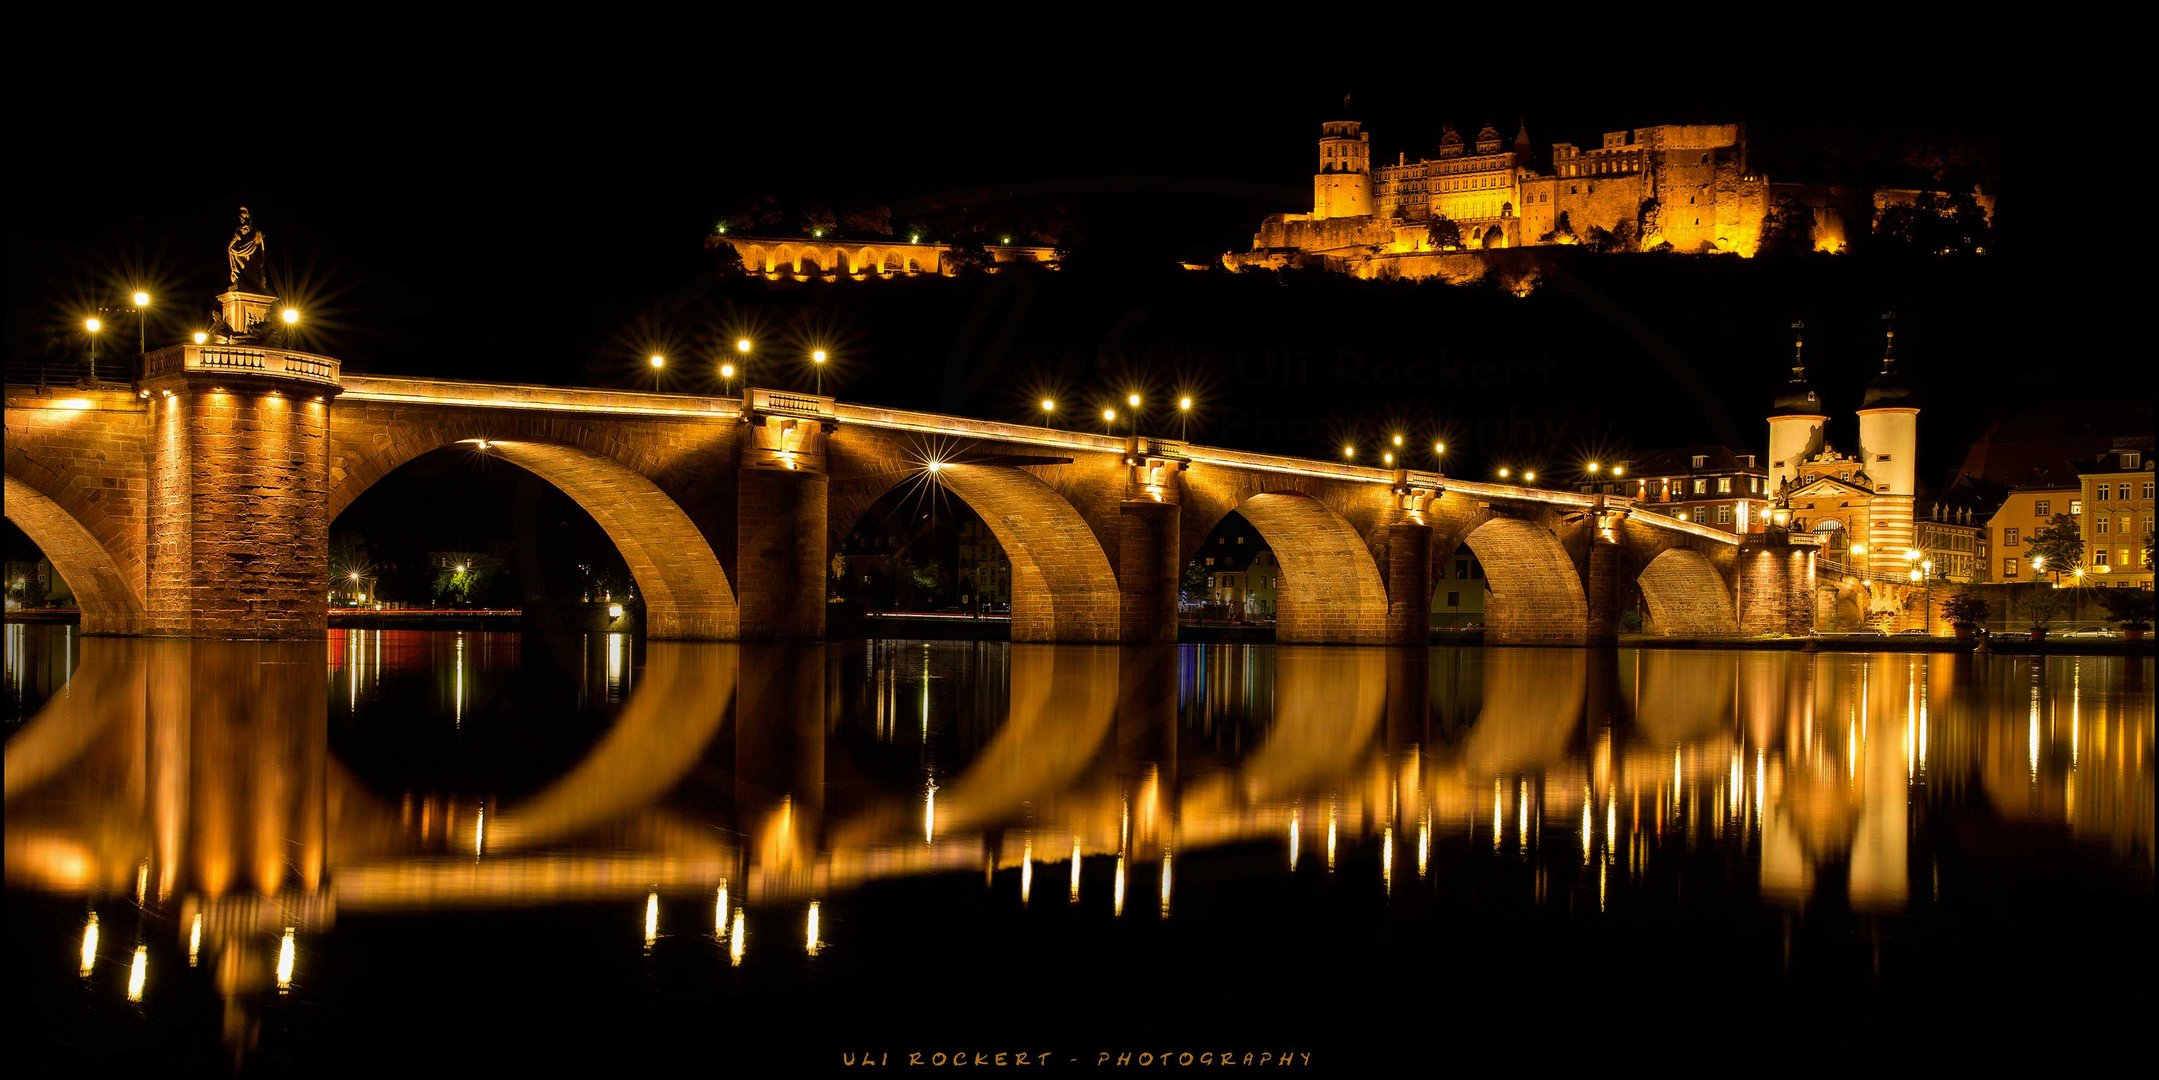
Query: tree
{"x": 1935, "y": 223}
{"x": 1787, "y": 229}
{"x": 2131, "y": 608}
{"x": 2058, "y": 547}
{"x": 1562, "y": 231}
{"x": 460, "y": 576}
{"x": 1192, "y": 589}
{"x": 818, "y": 218}
{"x": 1446, "y": 235}
{"x": 1966, "y": 608}
{"x": 1649, "y": 222}
{"x": 868, "y": 221}
{"x": 2044, "y": 604}
{"x": 1619, "y": 237}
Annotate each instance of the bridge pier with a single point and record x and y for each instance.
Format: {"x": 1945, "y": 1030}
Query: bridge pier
{"x": 1600, "y": 587}
{"x": 1147, "y": 571}
{"x": 1409, "y": 583}
{"x": 238, "y": 503}
{"x": 1774, "y": 587}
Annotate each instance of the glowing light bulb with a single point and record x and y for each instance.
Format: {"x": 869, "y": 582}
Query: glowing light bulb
{"x": 89, "y": 945}
{"x": 139, "y": 971}
{"x": 742, "y": 345}
{"x": 93, "y": 324}
{"x": 201, "y": 337}
{"x": 142, "y": 299}
{"x": 285, "y": 957}
{"x": 658, "y": 361}
{"x": 290, "y": 315}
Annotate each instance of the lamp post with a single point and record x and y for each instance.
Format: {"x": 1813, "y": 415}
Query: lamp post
{"x": 1109, "y": 417}
{"x": 1439, "y": 456}
{"x": 659, "y": 364}
{"x": 1184, "y": 417}
{"x": 142, "y": 321}
{"x": 1132, "y": 400}
{"x": 291, "y": 318}
{"x": 1049, "y": 412}
{"x": 93, "y": 324}
{"x": 727, "y": 379}
{"x": 742, "y": 349}
{"x": 817, "y": 361}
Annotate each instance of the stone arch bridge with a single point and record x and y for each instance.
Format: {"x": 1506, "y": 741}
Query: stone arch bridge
{"x": 199, "y": 504}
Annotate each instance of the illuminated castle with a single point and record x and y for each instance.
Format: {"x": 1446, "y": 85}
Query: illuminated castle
{"x": 1860, "y": 504}
{"x": 1685, "y": 187}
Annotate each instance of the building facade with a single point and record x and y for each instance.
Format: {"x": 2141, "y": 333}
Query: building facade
{"x": 1859, "y": 504}
{"x": 2011, "y": 526}
{"x": 1682, "y": 187}
{"x": 2116, "y": 495}
{"x": 1717, "y": 486}
{"x": 1952, "y": 544}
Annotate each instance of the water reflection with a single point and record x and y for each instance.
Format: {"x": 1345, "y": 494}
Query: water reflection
{"x": 188, "y": 792}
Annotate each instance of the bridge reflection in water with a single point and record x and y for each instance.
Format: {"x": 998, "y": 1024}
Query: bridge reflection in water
{"x": 189, "y": 789}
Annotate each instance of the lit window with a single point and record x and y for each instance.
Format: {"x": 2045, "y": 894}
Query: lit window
{"x": 2009, "y": 537}
{"x": 1724, "y": 515}
{"x": 1724, "y": 485}
{"x": 2076, "y": 507}
{"x": 2009, "y": 567}
{"x": 1700, "y": 460}
{"x": 1701, "y": 487}
{"x": 2099, "y": 557}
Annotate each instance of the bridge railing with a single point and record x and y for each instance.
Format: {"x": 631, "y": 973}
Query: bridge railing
{"x": 242, "y": 360}
{"x": 790, "y": 403}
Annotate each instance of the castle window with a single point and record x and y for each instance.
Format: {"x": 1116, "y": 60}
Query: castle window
{"x": 1881, "y": 457}
{"x": 2076, "y": 507}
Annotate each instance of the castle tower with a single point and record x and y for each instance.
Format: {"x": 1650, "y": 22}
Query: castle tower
{"x": 1795, "y": 419}
{"x": 1889, "y": 450}
{"x": 1343, "y": 186}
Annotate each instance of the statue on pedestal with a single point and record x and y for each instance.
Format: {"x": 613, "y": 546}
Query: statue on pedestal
{"x": 245, "y": 256}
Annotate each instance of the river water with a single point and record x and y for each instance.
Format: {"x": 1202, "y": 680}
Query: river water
{"x": 433, "y": 850}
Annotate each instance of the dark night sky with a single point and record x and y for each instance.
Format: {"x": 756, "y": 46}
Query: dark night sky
{"x": 533, "y": 214}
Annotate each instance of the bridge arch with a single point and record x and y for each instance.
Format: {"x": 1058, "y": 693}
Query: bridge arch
{"x": 109, "y": 604}
{"x": 1686, "y": 596}
{"x": 1063, "y": 588}
{"x": 1330, "y": 589}
{"x": 1536, "y": 594}
{"x": 686, "y": 592}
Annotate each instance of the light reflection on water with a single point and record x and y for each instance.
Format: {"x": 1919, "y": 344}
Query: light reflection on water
{"x": 230, "y": 803}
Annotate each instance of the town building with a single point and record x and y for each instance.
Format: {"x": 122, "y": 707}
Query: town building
{"x": 1459, "y": 600}
{"x": 1952, "y": 543}
{"x": 2116, "y": 492}
{"x": 1241, "y": 576}
{"x": 985, "y": 575}
{"x": 1859, "y": 504}
{"x": 2010, "y": 528}
{"x": 1712, "y": 485}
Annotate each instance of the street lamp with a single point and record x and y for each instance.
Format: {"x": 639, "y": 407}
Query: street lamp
{"x": 1109, "y": 416}
{"x": 1132, "y": 400}
{"x": 93, "y": 324}
{"x": 1184, "y": 416}
{"x": 201, "y": 337}
{"x": 142, "y": 317}
{"x": 1529, "y": 477}
{"x": 1503, "y": 472}
{"x": 291, "y": 318}
{"x": 1439, "y": 454}
{"x": 727, "y": 378}
{"x": 817, "y": 360}
{"x": 1348, "y": 452}
{"x": 1049, "y": 411}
